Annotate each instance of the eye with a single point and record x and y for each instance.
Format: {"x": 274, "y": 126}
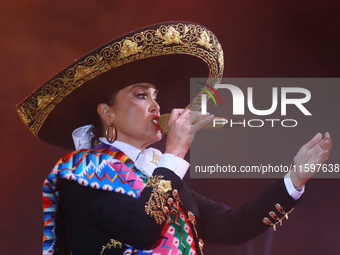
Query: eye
{"x": 141, "y": 95}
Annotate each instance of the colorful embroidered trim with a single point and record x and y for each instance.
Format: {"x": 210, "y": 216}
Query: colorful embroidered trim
{"x": 99, "y": 169}
{"x": 105, "y": 167}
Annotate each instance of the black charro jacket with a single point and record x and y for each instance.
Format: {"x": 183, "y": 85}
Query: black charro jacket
{"x": 88, "y": 218}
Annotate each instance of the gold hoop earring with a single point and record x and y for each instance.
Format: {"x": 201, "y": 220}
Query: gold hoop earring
{"x": 114, "y": 133}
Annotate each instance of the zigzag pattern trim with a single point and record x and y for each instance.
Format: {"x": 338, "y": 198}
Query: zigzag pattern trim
{"x": 109, "y": 169}
{"x": 88, "y": 168}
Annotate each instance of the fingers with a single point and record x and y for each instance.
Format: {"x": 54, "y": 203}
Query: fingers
{"x": 327, "y": 146}
{"x": 201, "y": 123}
{"x": 194, "y": 116}
{"x": 184, "y": 124}
{"x": 328, "y": 138}
{"x": 184, "y": 115}
{"x": 325, "y": 151}
{"x": 179, "y": 113}
{"x": 322, "y": 149}
{"x": 315, "y": 140}
{"x": 179, "y": 118}
{"x": 178, "y": 138}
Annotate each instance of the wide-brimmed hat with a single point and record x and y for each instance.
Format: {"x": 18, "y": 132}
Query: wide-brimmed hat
{"x": 166, "y": 55}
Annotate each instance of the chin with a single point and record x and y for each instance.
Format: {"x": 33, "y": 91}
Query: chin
{"x": 159, "y": 136}
{"x": 155, "y": 137}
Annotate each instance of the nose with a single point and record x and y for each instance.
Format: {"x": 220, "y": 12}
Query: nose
{"x": 154, "y": 106}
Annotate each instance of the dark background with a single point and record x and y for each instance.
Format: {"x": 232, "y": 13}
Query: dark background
{"x": 259, "y": 38}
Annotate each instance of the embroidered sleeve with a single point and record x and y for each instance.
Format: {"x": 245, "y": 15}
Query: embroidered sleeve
{"x": 160, "y": 199}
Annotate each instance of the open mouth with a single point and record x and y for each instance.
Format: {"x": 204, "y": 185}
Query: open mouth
{"x": 154, "y": 120}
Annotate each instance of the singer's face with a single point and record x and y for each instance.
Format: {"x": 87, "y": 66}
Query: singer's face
{"x": 135, "y": 114}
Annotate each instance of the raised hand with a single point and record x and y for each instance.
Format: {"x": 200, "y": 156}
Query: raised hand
{"x": 311, "y": 155}
{"x": 182, "y": 127}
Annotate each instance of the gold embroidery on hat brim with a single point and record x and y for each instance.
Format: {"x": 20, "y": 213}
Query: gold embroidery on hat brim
{"x": 177, "y": 38}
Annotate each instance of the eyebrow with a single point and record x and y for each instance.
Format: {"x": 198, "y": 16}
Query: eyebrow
{"x": 144, "y": 87}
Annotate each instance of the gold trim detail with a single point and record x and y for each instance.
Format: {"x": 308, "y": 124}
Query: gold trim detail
{"x": 201, "y": 245}
{"x": 192, "y": 220}
{"x": 177, "y": 38}
{"x": 275, "y": 217}
{"x": 279, "y": 208}
{"x": 113, "y": 243}
{"x": 43, "y": 101}
{"x": 205, "y": 40}
{"x": 175, "y": 194}
{"x": 129, "y": 48}
{"x": 157, "y": 204}
{"x": 155, "y": 158}
{"x": 268, "y": 222}
{"x": 83, "y": 71}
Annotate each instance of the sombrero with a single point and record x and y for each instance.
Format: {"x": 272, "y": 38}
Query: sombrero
{"x": 166, "y": 55}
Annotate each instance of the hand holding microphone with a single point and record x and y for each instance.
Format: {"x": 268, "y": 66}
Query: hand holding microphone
{"x": 164, "y": 119}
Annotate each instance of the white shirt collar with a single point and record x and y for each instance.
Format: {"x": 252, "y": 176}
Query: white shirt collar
{"x": 129, "y": 150}
{"x": 145, "y": 162}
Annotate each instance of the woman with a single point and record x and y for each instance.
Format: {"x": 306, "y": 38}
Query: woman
{"x": 134, "y": 134}
{"x": 121, "y": 198}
